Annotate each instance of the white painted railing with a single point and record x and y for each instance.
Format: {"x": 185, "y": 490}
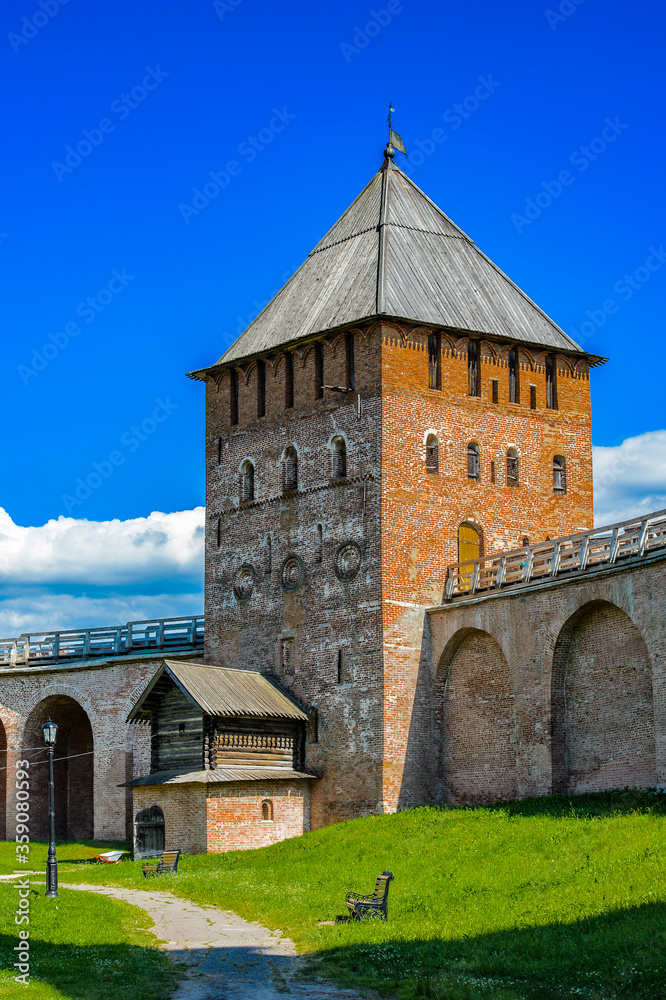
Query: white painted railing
{"x": 572, "y": 554}
{"x": 69, "y": 644}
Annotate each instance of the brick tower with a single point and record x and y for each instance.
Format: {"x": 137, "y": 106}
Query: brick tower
{"x": 398, "y": 405}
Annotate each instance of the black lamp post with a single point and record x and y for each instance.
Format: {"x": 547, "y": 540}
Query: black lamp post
{"x": 50, "y": 729}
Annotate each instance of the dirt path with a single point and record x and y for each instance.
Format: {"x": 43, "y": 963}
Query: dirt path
{"x": 228, "y": 958}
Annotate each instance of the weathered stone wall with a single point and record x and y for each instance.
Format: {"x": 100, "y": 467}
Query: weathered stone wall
{"x": 280, "y": 597}
{"x": 583, "y": 663}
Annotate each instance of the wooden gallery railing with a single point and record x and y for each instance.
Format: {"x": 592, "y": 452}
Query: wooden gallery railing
{"x": 572, "y": 554}
{"x": 157, "y": 634}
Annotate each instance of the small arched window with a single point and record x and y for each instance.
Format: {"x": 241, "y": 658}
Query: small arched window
{"x": 267, "y": 809}
{"x": 338, "y": 458}
{"x": 319, "y": 543}
{"x": 247, "y": 481}
{"x": 473, "y": 461}
{"x": 289, "y": 469}
{"x": 512, "y": 468}
{"x": 432, "y": 454}
{"x": 559, "y": 474}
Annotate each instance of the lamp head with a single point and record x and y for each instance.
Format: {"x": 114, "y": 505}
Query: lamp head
{"x": 49, "y": 729}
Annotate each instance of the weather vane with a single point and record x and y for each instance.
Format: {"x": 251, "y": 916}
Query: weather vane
{"x": 394, "y": 140}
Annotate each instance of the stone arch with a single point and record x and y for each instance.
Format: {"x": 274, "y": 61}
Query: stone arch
{"x": 475, "y": 720}
{"x": 3, "y": 781}
{"x": 602, "y": 716}
{"x": 73, "y": 770}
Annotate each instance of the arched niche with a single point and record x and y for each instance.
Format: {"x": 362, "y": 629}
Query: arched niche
{"x": 475, "y": 720}
{"x": 602, "y": 717}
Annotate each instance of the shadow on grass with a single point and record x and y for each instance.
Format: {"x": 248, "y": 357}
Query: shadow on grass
{"x": 92, "y": 972}
{"x": 590, "y": 805}
{"x": 619, "y": 955}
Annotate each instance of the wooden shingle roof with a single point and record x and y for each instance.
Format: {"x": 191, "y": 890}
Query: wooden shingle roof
{"x": 395, "y": 254}
{"x": 221, "y": 691}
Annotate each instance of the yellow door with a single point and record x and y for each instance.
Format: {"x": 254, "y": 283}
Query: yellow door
{"x": 468, "y": 548}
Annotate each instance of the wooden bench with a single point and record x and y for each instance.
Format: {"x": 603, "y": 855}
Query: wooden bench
{"x": 168, "y": 863}
{"x": 375, "y": 905}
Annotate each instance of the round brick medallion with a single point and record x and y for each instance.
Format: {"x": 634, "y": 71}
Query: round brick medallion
{"x": 292, "y": 573}
{"x": 244, "y": 581}
{"x": 347, "y": 560}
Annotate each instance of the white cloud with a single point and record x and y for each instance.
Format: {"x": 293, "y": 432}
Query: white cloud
{"x": 45, "y": 611}
{"x": 107, "y": 553}
{"x": 630, "y": 478}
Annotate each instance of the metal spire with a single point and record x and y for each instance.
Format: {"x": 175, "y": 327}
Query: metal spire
{"x": 389, "y": 152}
{"x": 394, "y": 140}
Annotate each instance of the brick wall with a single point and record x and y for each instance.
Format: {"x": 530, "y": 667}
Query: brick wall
{"x": 85, "y": 700}
{"x": 583, "y": 663}
{"x": 297, "y": 634}
{"x": 602, "y": 700}
{"x": 476, "y": 738}
{"x": 421, "y": 511}
{"x": 234, "y": 813}
{"x": 376, "y": 733}
{"x": 228, "y": 816}
{"x": 184, "y": 808}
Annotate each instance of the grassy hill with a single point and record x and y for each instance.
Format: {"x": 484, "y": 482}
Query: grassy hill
{"x": 544, "y": 898}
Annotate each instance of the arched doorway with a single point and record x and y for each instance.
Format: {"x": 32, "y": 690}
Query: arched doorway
{"x": 3, "y": 782}
{"x": 469, "y": 548}
{"x": 602, "y": 718}
{"x": 149, "y": 832}
{"x": 476, "y": 720}
{"x": 73, "y": 770}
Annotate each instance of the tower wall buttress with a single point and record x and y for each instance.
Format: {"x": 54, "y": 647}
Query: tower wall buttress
{"x": 422, "y": 510}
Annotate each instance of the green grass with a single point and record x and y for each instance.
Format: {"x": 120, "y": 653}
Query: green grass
{"x": 83, "y": 947}
{"x": 536, "y": 900}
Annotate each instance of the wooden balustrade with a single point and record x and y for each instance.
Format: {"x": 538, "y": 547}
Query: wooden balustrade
{"x": 637, "y": 537}
{"x": 67, "y": 644}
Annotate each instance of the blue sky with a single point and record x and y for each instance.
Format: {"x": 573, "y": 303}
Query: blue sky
{"x": 113, "y": 287}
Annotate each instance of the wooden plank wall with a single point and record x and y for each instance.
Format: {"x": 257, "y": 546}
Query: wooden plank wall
{"x": 177, "y": 731}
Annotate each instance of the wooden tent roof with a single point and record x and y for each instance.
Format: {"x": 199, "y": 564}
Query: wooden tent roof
{"x": 220, "y": 691}
{"x": 395, "y": 254}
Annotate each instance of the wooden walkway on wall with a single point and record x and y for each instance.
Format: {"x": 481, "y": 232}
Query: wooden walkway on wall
{"x": 635, "y": 538}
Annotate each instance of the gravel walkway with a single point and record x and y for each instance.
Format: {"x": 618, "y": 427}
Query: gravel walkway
{"x": 228, "y": 958}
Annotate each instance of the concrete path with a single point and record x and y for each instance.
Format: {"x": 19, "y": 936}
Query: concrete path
{"x": 228, "y": 958}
